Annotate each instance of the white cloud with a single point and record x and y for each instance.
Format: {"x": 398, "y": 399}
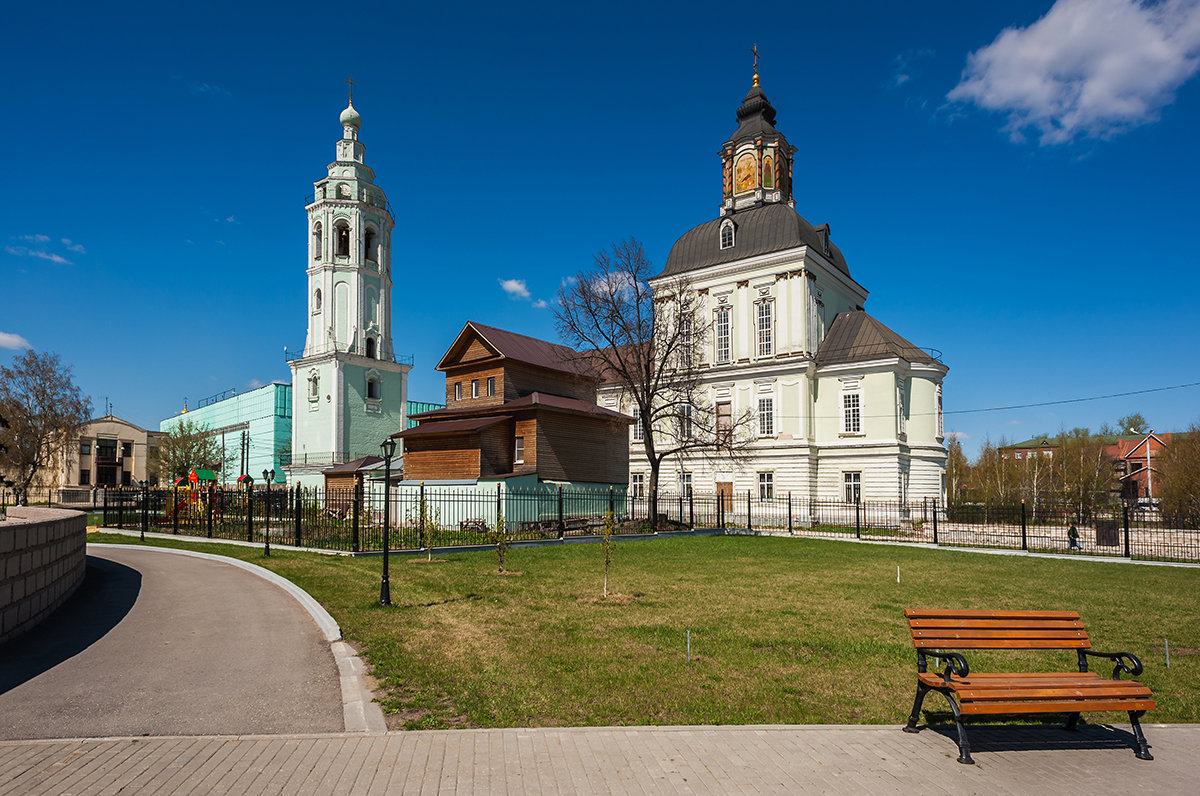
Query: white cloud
{"x": 200, "y": 89}
{"x": 515, "y": 288}
{"x": 13, "y": 342}
{"x": 905, "y": 66}
{"x": 254, "y": 384}
{"x": 958, "y": 435}
{"x": 540, "y": 304}
{"x": 1088, "y": 68}
{"x": 74, "y": 247}
{"x": 1012, "y": 422}
{"x": 35, "y": 238}
{"x": 21, "y": 251}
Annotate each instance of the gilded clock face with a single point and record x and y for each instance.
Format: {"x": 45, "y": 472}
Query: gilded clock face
{"x": 746, "y": 173}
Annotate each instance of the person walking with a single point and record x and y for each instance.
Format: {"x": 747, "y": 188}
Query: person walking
{"x": 1073, "y": 538}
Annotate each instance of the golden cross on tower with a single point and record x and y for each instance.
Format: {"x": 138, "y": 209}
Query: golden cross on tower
{"x": 754, "y": 50}
{"x": 351, "y": 83}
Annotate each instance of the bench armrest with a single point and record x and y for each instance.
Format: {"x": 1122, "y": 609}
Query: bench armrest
{"x": 1126, "y": 662}
{"x": 955, "y": 663}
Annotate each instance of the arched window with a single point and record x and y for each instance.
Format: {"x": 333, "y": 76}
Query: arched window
{"x": 316, "y": 244}
{"x": 727, "y": 235}
{"x": 342, "y": 239}
{"x": 374, "y": 390}
{"x": 314, "y": 385}
{"x": 370, "y": 245}
{"x": 317, "y": 300}
{"x": 370, "y": 348}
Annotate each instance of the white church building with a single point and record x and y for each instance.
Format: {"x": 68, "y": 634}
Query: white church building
{"x": 350, "y": 389}
{"x": 842, "y": 407}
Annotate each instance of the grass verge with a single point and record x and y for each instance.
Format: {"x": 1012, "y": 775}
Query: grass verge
{"x": 785, "y": 631}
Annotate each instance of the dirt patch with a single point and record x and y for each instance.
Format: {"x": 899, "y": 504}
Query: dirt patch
{"x": 612, "y": 599}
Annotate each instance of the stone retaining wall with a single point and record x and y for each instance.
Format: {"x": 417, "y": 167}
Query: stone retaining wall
{"x": 42, "y": 562}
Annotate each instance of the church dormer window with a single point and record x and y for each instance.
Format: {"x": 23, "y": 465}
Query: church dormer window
{"x": 371, "y": 245}
{"x": 341, "y": 233}
{"x": 370, "y": 348}
{"x": 316, "y": 246}
{"x": 727, "y": 234}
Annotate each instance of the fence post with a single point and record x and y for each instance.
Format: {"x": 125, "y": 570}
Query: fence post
{"x": 749, "y": 522}
{"x": 1024, "y": 538}
{"x": 249, "y": 512}
{"x": 789, "y": 511}
{"x": 1125, "y": 522}
{"x": 611, "y": 503}
{"x": 355, "y": 514}
{"x": 681, "y": 508}
{"x": 121, "y": 510}
{"x": 562, "y": 528}
{"x": 857, "y": 518}
{"x": 421, "y": 515}
{"x": 175, "y": 509}
{"x": 296, "y": 514}
{"x": 691, "y": 509}
{"x": 498, "y": 514}
{"x": 145, "y": 510}
{"x": 104, "y": 521}
{"x": 935, "y": 538}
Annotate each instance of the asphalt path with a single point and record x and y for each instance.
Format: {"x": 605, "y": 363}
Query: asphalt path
{"x": 161, "y": 644}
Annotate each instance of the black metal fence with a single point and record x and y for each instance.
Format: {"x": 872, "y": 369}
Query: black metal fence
{"x": 352, "y": 519}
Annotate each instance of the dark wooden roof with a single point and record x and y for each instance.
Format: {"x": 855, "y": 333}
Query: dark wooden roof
{"x": 466, "y": 425}
{"x": 520, "y": 348}
{"x": 534, "y": 399}
{"x": 354, "y": 466}
{"x": 857, "y": 337}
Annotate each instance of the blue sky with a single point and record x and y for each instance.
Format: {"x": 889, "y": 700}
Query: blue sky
{"x": 1013, "y": 182}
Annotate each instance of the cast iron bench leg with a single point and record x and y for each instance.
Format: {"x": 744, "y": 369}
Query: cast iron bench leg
{"x": 922, "y": 690}
{"x": 964, "y": 748}
{"x": 1072, "y": 720}
{"x": 1143, "y": 750}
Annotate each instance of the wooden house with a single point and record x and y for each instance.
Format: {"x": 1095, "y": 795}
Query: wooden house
{"x": 517, "y": 406}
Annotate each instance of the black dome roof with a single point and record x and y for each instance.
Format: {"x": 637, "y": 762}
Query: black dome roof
{"x": 759, "y": 230}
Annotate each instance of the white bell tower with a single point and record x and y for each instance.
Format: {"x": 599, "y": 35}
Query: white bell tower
{"x": 349, "y": 390}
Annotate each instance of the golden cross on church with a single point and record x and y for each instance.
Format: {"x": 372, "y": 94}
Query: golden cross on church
{"x": 754, "y": 50}
{"x": 351, "y": 83}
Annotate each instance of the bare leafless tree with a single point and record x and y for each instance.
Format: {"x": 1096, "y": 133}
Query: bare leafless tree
{"x": 44, "y": 409}
{"x": 649, "y": 344}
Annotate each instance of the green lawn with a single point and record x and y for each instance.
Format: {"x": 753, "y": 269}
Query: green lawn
{"x": 782, "y": 630}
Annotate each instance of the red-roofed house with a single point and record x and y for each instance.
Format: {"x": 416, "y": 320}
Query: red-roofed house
{"x": 517, "y": 407}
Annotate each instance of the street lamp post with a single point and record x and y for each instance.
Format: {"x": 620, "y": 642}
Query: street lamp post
{"x": 388, "y": 448}
{"x": 268, "y": 476}
{"x": 145, "y": 506}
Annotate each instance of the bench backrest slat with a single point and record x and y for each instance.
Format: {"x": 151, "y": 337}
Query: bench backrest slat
{"x": 969, "y": 629}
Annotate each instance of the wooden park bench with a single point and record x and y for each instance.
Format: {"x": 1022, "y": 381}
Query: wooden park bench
{"x": 936, "y": 633}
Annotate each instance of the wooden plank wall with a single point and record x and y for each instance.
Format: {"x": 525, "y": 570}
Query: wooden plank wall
{"x": 577, "y": 448}
{"x": 435, "y": 458}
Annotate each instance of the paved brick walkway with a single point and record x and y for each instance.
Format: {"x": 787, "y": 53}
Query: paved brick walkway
{"x": 683, "y": 760}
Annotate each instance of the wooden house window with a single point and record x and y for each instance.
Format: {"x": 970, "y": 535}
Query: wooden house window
{"x": 474, "y": 388}
{"x": 458, "y": 390}
{"x": 519, "y": 451}
{"x": 491, "y": 385}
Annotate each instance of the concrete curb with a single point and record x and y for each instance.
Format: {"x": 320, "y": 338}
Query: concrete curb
{"x": 360, "y": 711}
